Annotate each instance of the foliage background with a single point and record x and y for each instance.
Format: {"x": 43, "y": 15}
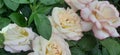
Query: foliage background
{"x": 88, "y": 45}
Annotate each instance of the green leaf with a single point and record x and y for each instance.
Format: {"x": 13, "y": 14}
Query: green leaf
{"x": 31, "y": 19}
{"x": 12, "y": 5}
{"x": 76, "y": 51}
{"x": 4, "y": 22}
{"x": 49, "y": 2}
{"x": 95, "y": 51}
{"x": 43, "y": 25}
{"x": 18, "y": 19}
{"x": 105, "y": 51}
{"x": 88, "y": 42}
{"x": 41, "y": 10}
{"x": 2, "y": 10}
{"x": 1, "y": 40}
{"x": 23, "y": 1}
{"x": 44, "y": 9}
{"x": 1, "y": 3}
{"x": 112, "y": 46}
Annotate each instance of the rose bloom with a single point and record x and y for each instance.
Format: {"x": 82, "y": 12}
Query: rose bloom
{"x": 55, "y": 46}
{"x": 104, "y": 17}
{"x": 17, "y": 38}
{"x": 79, "y": 4}
{"x": 66, "y": 22}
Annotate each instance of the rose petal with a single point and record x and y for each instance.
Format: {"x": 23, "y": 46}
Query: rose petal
{"x": 16, "y": 42}
{"x": 93, "y": 5}
{"x": 86, "y": 26}
{"x": 61, "y": 42}
{"x": 113, "y": 32}
{"x": 7, "y": 48}
{"x": 75, "y": 4}
{"x": 32, "y": 53}
{"x": 74, "y": 36}
{"x": 94, "y": 20}
{"x": 17, "y": 49}
{"x": 39, "y": 45}
{"x": 85, "y": 14}
{"x": 98, "y": 25}
{"x": 100, "y": 34}
{"x": 116, "y": 23}
{"x": 55, "y": 14}
{"x": 85, "y": 1}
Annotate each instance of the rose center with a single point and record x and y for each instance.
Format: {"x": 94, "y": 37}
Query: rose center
{"x": 53, "y": 49}
{"x": 23, "y": 32}
{"x": 66, "y": 20}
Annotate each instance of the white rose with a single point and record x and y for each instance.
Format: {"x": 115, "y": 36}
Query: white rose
{"x": 17, "y": 38}
{"x": 55, "y": 46}
{"x": 105, "y": 18}
{"x": 66, "y": 22}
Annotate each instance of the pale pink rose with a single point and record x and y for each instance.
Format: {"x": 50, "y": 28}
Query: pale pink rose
{"x": 55, "y": 46}
{"x": 105, "y": 19}
{"x": 66, "y": 22}
{"x": 17, "y": 38}
{"x": 78, "y": 4}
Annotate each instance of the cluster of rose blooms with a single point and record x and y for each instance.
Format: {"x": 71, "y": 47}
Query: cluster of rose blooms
{"x": 99, "y": 16}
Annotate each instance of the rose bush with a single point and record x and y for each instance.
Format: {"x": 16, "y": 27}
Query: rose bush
{"x": 59, "y": 27}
